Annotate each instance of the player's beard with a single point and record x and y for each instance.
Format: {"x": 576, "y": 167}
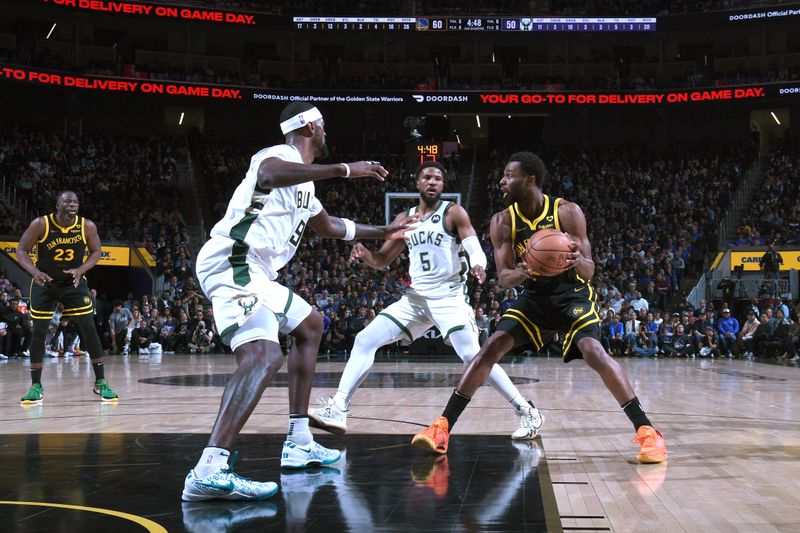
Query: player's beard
{"x": 430, "y": 201}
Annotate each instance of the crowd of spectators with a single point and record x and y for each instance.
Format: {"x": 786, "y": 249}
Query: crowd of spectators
{"x": 769, "y": 328}
{"x": 774, "y": 213}
{"x": 653, "y": 214}
{"x": 15, "y": 323}
{"x": 128, "y": 187}
{"x": 176, "y": 320}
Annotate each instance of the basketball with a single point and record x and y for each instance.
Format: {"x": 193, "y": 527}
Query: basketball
{"x": 547, "y": 251}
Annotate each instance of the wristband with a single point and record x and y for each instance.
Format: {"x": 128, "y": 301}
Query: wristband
{"x": 346, "y": 170}
{"x": 349, "y": 229}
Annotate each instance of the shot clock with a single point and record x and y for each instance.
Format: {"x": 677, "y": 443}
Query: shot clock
{"x": 419, "y": 152}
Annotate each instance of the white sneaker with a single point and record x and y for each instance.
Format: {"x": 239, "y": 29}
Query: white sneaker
{"x": 329, "y": 417}
{"x": 795, "y": 358}
{"x": 201, "y": 517}
{"x": 225, "y": 484}
{"x": 3, "y": 356}
{"x": 530, "y": 422}
{"x": 296, "y": 456}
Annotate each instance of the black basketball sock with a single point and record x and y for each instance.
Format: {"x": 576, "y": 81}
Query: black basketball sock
{"x": 36, "y": 376}
{"x": 455, "y": 406}
{"x": 99, "y": 373}
{"x": 635, "y": 413}
{"x": 39, "y": 333}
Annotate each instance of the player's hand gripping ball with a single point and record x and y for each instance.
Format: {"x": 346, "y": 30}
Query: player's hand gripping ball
{"x": 548, "y": 253}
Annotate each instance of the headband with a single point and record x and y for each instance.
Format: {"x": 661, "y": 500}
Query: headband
{"x": 300, "y": 120}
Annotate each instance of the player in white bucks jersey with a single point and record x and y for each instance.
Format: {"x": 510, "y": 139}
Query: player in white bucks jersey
{"x": 237, "y": 269}
{"x": 442, "y": 248}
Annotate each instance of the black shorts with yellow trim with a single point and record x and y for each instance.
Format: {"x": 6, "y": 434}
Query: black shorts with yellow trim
{"x": 570, "y": 311}
{"x": 44, "y": 299}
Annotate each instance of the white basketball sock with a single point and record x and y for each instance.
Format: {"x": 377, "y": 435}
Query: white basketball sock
{"x": 211, "y": 460}
{"x": 379, "y": 332}
{"x": 298, "y": 431}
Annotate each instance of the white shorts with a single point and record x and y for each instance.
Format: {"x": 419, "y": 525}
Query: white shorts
{"x": 415, "y": 315}
{"x": 237, "y": 293}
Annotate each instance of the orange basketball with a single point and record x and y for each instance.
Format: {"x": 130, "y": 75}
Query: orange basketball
{"x": 547, "y": 252}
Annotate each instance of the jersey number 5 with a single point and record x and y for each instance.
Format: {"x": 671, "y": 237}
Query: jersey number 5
{"x": 425, "y": 262}
{"x": 60, "y": 253}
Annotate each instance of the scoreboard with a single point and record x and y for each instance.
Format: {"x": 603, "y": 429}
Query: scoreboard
{"x": 478, "y": 24}
{"x": 354, "y": 23}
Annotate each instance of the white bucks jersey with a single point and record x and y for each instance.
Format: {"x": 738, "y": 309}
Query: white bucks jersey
{"x": 264, "y": 226}
{"x": 438, "y": 265}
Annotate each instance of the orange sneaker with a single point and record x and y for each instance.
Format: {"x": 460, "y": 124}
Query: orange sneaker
{"x": 434, "y": 438}
{"x": 653, "y": 449}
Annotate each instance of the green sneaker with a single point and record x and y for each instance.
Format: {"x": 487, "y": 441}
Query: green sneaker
{"x": 34, "y": 396}
{"x": 102, "y": 389}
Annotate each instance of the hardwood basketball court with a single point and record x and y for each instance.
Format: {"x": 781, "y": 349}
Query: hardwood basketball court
{"x": 732, "y": 431}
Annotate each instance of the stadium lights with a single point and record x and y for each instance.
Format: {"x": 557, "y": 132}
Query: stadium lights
{"x": 775, "y": 117}
{"x": 180, "y": 120}
{"x": 51, "y": 30}
{"x": 458, "y": 139}
{"x": 478, "y": 120}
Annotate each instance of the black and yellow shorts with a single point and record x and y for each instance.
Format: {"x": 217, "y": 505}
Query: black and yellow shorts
{"x": 76, "y": 300}
{"x": 569, "y": 310}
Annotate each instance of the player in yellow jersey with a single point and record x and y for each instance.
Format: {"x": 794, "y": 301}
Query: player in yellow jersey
{"x": 563, "y": 304}
{"x": 61, "y": 240}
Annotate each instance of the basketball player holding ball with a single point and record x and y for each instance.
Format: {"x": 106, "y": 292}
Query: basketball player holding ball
{"x": 558, "y": 298}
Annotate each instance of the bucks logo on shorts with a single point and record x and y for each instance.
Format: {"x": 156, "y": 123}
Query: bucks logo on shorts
{"x": 247, "y": 303}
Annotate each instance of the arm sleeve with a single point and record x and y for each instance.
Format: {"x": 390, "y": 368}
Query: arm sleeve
{"x": 473, "y": 248}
